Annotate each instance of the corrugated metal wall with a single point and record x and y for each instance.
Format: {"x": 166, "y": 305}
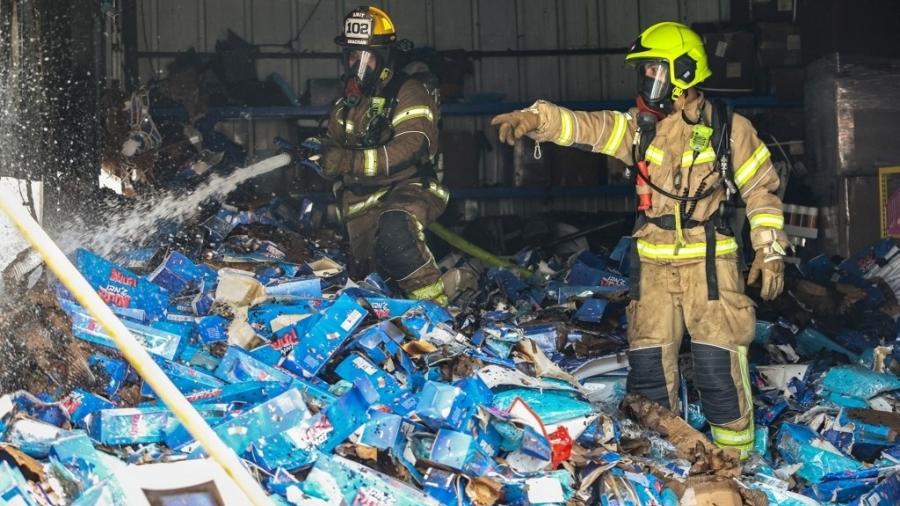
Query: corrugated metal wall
{"x": 175, "y": 25}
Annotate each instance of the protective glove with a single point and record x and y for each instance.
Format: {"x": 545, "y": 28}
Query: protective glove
{"x": 770, "y": 265}
{"x": 514, "y": 125}
{"x": 336, "y": 161}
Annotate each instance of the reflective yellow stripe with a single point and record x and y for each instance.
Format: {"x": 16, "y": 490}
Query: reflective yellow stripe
{"x": 566, "y": 128}
{"x": 618, "y": 134}
{"x": 775, "y": 221}
{"x": 439, "y": 191}
{"x": 370, "y": 162}
{"x": 705, "y": 156}
{"x": 745, "y": 382}
{"x": 749, "y": 168}
{"x": 694, "y": 250}
{"x": 365, "y": 204}
{"x": 428, "y": 292}
{"x": 421, "y": 111}
{"x": 733, "y": 438}
{"x": 348, "y": 127}
{"x": 654, "y": 155}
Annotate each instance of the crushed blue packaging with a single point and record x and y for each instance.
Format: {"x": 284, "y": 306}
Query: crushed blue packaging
{"x": 123, "y": 291}
{"x": 342, "y": 481}
{"x": 459, "y": 452}
{"x": 857, "y": 382}
{"x": 76, "y": 452}
{"x": 442, "y": 405}
{"x": 212, "y": 329}
{"x": 798, "y": 444}
{"x": 158, "y": 340}
{"x": 238, "y": 366}
{"x": 177, "y": 274}
{"x": 443, "y": 486}
{"x": 113, "y": 372}
{"x": 33, "y": 437}
{"x": 221, "y": 224}
{"x": 356, "y": 366}
{"x": 82, "y": 404}
{"x": 327, "y": 335}
{"x": 302, "y": 288}
{"x": 128, "y": 426}
{"x": 266, "y": 419}
{"x": 591, "y": 311}
{"x": 381, "y": 431}
{"x": 14, "y": 490}
{"x": 186, "y": 379}
{"x": 884, "y": 494}
{"x": 331, "y": 426}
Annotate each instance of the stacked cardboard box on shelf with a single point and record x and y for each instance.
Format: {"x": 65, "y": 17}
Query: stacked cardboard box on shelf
{"x": 850, "y": 119}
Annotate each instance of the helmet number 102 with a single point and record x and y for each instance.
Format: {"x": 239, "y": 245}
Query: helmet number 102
{"x": 358, "y": 28}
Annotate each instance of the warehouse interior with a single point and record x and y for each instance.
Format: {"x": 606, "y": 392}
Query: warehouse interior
{"x": 225, "y": 281}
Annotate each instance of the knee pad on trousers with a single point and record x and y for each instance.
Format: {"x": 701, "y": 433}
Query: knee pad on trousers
{"x": 712, "y": 377}
{"x": 397, "y": 248}
{"x": 646, "y": 375}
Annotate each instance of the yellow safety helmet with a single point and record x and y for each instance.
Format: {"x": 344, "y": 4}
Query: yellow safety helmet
{"x": 369, "y": 27}
{"x": 670, "y": 58}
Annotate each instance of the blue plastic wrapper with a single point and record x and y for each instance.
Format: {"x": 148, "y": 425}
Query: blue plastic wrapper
{"x": 164, "y": 339}
{"x": 443, "y": 486}
{"x": 441, "y": 405}
{"x": 379, "y": 341}
{"x": 591, "y": 311}
{"x": 884, "y": 494}
{"x": 555, "y": 486}
{"x": 33, "y": 437}
{"x": 112, "y": 372}
{"x": 137, "y": 259}
{"x": 798, "y": 444}
{"x": 695, "y": 416}
{"x": 356, "y": 367}
{"x": 221, "y": 224}
{"x": 76, "y": 452}
{"x": 212, "y": 329}
{"x": 302, "y": 288}
{"x": 177, "y": 274}
{"x": 840, "y": 491}
{"x": 551, "y": 406}
{"x": 331, "y": 426}
{"x": 238, "y": 366}
{"x": 14, "y": 489}
{"x": 186, "y": 379}
{"x": 334, "y": 478}
{"x": 82, "y": 404}
{"x": 459, "y": 452}
{"x": 128, "y": 426}
{"x": 266, "y": 419}
{"x": 381, "y": 431}
{"x": 326, "y": 336}
{"x": 853, "y": 381}
{"x": 810, "y": 342}
{"x": 123, "y": 291}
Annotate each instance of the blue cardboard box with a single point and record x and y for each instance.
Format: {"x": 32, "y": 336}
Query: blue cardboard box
{"x": 123, "y": 291}
{"x": 327, "y": 335}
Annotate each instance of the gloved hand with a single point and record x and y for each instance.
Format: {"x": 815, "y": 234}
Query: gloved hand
{"x": 336, "y": 161}
{"x": 769, "y": 265}
{"x": 514, "y": 125}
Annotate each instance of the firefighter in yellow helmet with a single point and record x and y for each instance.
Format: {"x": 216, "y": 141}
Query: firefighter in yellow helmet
{"x": 692, "y": 158}
{"x": 382, "y": 145}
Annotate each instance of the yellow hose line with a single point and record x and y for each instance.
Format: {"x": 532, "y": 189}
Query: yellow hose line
{"x": 136, "y": 355}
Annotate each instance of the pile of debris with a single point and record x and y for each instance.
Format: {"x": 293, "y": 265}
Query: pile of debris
{"x": 335, "y": 391}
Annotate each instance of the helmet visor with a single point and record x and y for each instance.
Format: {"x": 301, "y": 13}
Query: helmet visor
{"x": 653, "y": 79}
{"x": 362, "y": 64}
